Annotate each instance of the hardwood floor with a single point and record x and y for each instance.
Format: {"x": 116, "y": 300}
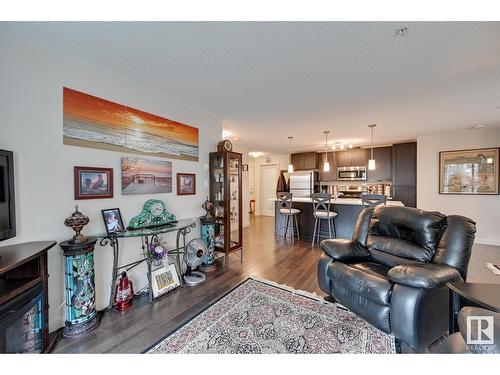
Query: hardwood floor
{"x": 282, "y": 261}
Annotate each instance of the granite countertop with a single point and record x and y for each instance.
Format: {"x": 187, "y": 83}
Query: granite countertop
{"x": 348, "y": 201}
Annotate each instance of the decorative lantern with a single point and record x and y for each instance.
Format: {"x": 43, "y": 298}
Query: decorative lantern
{"x": 124, "y": 293}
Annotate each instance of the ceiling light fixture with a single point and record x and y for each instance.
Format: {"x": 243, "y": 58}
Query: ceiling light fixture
{"x": 371, "y": 162}
{"x": 326, "y": 164}
{"x": 290, "y": 165}
{"x": 341, "y": 146}
{"x": 255, "y": 154}
{"x": 350, "y": 145}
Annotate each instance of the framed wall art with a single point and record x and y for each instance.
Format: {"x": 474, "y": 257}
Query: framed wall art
{"x": 146, "y": 176}
{"x": 469, "y": 171}
{"x": 186, "y": 184}
{"x": 164, "y": 280}
{"x": 93, "y": 182}
{"x": 113, "y": 220}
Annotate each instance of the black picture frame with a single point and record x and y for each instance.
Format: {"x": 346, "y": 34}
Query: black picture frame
{"x": 118, "y": 216}
{"x": 245, "y": 167}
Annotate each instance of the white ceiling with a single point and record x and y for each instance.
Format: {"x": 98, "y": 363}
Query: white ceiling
{"x": 269, "y": 80}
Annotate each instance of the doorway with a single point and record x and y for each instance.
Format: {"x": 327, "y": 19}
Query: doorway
{"x": 268, "y": 180}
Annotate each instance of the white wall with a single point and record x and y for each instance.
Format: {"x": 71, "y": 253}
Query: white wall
{"x": 31, "y": 106}
{"x": 280, "y": 160}
{"x": 484, "y": 209}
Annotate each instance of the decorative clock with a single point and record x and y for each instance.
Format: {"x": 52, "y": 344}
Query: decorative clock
{"x": 153, "y": 214}
{"x": 225, "y": 145}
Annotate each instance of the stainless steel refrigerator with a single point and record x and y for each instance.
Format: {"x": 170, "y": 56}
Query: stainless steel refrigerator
{"x": 303, "y": 184}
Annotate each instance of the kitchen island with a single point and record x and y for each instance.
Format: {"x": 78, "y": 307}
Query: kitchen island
{"x": 347, "y": 209}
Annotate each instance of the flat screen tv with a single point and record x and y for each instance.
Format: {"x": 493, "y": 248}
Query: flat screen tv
{"x": 7, "y": 200}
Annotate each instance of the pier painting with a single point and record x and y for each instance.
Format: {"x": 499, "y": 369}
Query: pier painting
{"x": 146, "y": 176}
{"x": 98, "y": 123}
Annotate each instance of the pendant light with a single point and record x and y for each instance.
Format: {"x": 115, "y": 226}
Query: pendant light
{"x": 290, "y": 165}
{"x": 326, "y": 164}
{"x": 371, "y": 162}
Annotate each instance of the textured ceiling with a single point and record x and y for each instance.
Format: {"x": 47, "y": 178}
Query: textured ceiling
{"x": 270, "y": 80}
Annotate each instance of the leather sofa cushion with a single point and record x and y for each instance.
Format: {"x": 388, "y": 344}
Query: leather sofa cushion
{"x": 345, "y": 250}
{"x": 399, "y": 247}
{"x": 367, "y": 280}
{"x": 419, "y": 227}
{"x": 424, "y": 275}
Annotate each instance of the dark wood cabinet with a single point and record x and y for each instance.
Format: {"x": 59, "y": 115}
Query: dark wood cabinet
{"x": 404, "y": 173}
{"x": 354, "y": 157}
{"x": 405, "y": 194}
{"x": 383, "y": 163}
{"x": 305, "y": 161}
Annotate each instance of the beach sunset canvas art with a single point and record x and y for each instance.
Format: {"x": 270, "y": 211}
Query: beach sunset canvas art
{"x": 93, "y": 122}
{"x": 146, "y": 176}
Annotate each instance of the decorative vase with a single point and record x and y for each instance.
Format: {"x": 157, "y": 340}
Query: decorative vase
{"x": 77, "y": 221}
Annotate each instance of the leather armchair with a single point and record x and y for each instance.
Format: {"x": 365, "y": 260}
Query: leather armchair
{"x": 394, "y": 270}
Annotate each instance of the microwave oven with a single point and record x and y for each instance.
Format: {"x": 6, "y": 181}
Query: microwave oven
{"x": 351, "y": 174}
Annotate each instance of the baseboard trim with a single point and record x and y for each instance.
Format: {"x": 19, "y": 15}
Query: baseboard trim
{"x": 490, "y": 242}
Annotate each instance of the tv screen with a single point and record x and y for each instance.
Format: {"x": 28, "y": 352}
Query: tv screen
{"x": 7, "y": 201}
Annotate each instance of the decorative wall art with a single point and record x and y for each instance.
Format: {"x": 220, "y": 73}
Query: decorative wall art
{"x": 93, "y": 122}
{"x": 186, "y": 184}
{"x": 146, "y": 176}
{"x": 469, "y": 171}
{"x": 93, "y": 182}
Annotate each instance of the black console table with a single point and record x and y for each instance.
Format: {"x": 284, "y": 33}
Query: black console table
{"x": 486, "y": 296}
{"x": 182, "y": 227}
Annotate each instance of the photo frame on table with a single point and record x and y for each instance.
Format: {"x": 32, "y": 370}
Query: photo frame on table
{"x": 164, "y": 280}
{"x": 113, "y": 221}
{"x": 469, "y": 172}
{"x": 186, "y": 183}
{"x": 245, "y": 167}
{"x": 93, "y": 182}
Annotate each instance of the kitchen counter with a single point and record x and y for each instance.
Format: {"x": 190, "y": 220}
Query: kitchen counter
{"x": 347, "y": 209}
{"x": 349, "y": 201}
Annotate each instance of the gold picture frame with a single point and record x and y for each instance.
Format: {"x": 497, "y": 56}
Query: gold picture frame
{"x": 469, "y": 172}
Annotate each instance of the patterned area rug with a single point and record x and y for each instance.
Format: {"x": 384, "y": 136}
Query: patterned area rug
{"x": 263, "y": 317}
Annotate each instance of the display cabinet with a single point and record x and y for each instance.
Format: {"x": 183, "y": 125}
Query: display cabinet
{"x": 225, "y": 193}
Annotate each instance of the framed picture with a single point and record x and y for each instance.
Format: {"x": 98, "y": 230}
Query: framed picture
{"x": 245, "y": 167}
{"x": 146, "y": 176}
{"x": 469, "y": 171}
{"x": 93, "y": 182}
{"x": 186, "y": 183}
{"x": 164, "y": 280}
{"x": 113, "y": 220}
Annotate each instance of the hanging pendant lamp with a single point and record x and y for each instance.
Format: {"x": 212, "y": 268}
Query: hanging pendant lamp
{"x": 326, "y": 164}
{"x": 290, "y": 165}
{"x": 371, "y": 162}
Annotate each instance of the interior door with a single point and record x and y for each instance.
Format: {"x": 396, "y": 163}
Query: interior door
{"x": 268, "y": 180}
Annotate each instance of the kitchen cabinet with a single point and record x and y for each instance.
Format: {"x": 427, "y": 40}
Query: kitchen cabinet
{"x": 383, "y": 164}
{"x": 332, "y": 174}
{"x": 404, "y": 173}
{"x": 305, "y": 161}
{"x": 354, "y": 157}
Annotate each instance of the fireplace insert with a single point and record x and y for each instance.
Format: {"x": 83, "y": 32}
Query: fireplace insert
{"x": 21, "y": 323}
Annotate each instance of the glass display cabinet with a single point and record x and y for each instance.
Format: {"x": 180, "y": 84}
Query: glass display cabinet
{"x": 225, "y": 193}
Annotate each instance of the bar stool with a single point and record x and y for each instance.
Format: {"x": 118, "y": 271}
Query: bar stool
{"x": 321, "y": 206}
{"x": 288, "y": 212}
{"x": 372, "y": 200}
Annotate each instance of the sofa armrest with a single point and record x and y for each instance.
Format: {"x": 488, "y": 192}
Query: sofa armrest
{"x": 345, "y": 250}
{"x": 427, "y": 275}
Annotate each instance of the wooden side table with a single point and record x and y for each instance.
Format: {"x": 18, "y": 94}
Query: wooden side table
{"x": 486, "y": 296}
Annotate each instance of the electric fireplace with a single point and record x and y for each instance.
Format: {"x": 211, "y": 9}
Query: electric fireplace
{"x": 21, "y": 323}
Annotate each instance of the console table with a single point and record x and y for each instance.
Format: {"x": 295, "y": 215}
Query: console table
{"x": 182, "y": 227}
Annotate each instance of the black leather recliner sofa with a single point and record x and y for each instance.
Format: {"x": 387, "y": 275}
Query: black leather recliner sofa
{"x": 394, "y": 270}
